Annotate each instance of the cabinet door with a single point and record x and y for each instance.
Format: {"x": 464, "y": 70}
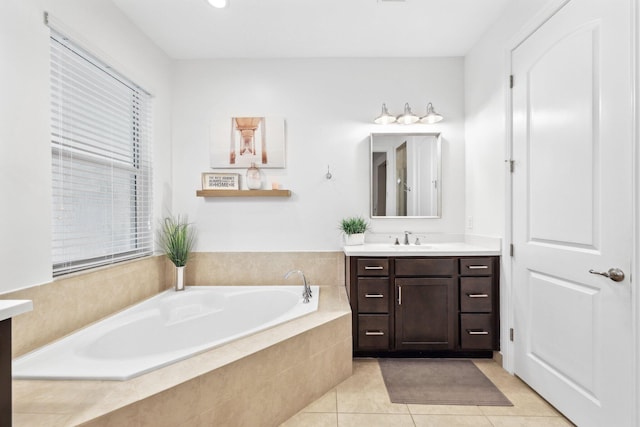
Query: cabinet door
{"x": 426, "y": 314}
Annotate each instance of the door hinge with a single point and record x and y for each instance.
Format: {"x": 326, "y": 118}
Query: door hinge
{"x": 511, "y": 81}
{"x": 510, "y": 334}
{"x": 511, "y": 164}
{"x": 511, "y": 249}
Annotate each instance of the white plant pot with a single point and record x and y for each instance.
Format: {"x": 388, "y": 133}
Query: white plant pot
{"x": 179, "y": 281}
{"x": 354, "y": 239}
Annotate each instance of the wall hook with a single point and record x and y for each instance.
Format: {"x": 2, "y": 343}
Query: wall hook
{"x": 328, "y": 175}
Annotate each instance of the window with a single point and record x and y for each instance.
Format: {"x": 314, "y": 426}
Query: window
{"x": 102, "y": 198}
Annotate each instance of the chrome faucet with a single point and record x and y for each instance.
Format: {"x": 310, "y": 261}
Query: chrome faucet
{"x": 406, "y": 237}
{"x": 306, "y": 293}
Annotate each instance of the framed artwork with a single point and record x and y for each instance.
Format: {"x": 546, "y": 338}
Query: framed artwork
{"x": 220, "y": 181}
{"x": 241, "y": 141}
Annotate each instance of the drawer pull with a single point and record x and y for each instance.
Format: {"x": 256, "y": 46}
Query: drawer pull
{"x": 477, "y": 267}
{"x": 399, "y": 295}
{"x": 373, "y": 296}
{"x": 373, "y": 267}
{"x": 477, "y": 332}
{"x": 478, "y": 295}
{"x": 374, "y": 333}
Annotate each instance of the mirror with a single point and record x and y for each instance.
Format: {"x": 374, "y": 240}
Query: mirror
{"x": 405, "y": 175}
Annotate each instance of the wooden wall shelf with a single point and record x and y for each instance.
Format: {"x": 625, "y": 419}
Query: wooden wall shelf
{"x": 243, "y": 193}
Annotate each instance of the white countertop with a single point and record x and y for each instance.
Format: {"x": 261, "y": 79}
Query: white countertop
{"x": 12, "y": 307}
{"x": 432, "y": 245}
{"x": 430, "y": 249}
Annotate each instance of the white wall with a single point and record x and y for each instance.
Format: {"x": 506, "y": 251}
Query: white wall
{"x": 25, "y": 172}
{"x": 329, "y": 105}
{"x": 486, "y": 83}
{"x": 25, "y": 248}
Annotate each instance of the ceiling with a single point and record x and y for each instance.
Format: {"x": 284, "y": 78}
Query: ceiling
{"x": 190, "y": 29}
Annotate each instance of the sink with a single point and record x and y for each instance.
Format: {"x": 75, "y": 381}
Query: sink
{"x": 385, "y": 247}
{"x": 411, "y": 247}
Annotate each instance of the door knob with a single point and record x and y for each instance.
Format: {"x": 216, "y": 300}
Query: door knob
{"x": 614, "y": 274}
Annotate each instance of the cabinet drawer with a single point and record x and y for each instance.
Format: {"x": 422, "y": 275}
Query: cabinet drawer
{"x": 425, "y": 266}
{"x": 475, "y": 294}
{"x": 373, "y": 295}
{"x": 476, "y": 266}
{"x": 373, "y": 331}
{"x": 373, "y": 267}
{"x": 476, "y": 331}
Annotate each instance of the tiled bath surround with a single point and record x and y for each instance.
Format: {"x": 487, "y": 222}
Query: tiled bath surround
{"x": 259, "y": 380}
{"x": 71, "y": 302}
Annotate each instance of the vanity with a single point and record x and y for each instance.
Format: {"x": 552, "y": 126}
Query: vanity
{"x": 8, "y": 310}
{"x": 439, "y": 300}
{"x": 419, "y": 294}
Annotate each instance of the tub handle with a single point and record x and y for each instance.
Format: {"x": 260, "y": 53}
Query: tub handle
{"x": 374, "y": 296}
{"x": 374, "y": 333}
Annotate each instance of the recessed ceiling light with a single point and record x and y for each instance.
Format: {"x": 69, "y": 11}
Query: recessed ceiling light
{"x": 220, "y": 4}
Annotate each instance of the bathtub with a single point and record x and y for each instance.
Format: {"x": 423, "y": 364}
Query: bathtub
{"x": 164, "y": 329}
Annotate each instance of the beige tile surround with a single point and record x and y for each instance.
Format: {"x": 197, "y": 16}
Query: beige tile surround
{"x": 71, "y": 302}
{"x": 74, "y": 301}
{"x": 258, "y": 380}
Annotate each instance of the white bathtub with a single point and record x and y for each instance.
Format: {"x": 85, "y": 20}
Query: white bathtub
{"x": 164, "y": 329}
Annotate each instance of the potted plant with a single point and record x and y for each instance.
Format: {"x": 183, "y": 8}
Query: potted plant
{"x": 354, "y": 229}
{"x": 176, "y": 239}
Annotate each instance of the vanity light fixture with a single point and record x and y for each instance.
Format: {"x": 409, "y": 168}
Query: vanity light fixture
{"x": 407, "y": 118}
{"x": 431, "y": 117}
{"x": 219, "y": 4}
{"x": 384, "y": 118}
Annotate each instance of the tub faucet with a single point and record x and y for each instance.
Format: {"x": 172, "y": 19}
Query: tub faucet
{"x": 306, "y": 293}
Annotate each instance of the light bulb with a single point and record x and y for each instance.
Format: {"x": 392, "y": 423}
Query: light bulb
{"x": 220, "y": 4}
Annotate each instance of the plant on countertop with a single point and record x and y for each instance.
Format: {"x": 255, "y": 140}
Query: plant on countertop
{"x": 354, "y": 225}
{"x": 176, "y": 239}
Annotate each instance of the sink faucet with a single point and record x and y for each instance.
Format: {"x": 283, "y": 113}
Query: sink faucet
{"x": 306, "y": 293}
{"x": 406, "y": 237}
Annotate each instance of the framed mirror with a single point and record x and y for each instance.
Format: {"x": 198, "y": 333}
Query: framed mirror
{"x": 405, "y": 175}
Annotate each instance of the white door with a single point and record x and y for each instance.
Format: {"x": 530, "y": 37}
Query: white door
{"x": 572, "y": 211}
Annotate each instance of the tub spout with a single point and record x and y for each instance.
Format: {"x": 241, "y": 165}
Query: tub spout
{"x": 306, "y": 293}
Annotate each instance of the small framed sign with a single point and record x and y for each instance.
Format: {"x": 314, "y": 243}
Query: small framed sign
{"x": 220, "y": 181}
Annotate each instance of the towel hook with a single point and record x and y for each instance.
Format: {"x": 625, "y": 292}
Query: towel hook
{"x": 328, "y": 175}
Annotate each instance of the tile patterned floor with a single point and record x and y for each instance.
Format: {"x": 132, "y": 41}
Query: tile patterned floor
{"x": 362, "y": 401}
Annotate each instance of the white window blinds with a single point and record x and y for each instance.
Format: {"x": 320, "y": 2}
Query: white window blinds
{"x": 100, "y": 146}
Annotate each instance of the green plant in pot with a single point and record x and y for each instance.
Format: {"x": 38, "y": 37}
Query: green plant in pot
{"x": 177, "y": 238}
{"x": 354, "y": 228}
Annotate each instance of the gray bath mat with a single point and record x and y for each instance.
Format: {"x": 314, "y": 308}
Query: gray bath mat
{"x": 439, "y": 382}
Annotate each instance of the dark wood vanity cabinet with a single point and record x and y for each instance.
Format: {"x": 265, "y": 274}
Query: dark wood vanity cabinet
{"x": 372, "y": 297}
{"x": 426, "y": 304}
{"x": 479, "y": 326}
{"x": 444, "y": 305}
